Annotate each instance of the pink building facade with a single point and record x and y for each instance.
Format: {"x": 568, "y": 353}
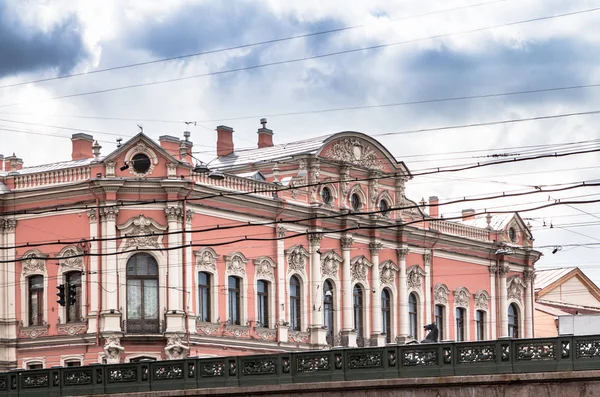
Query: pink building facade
{"x": 281, "y": 247}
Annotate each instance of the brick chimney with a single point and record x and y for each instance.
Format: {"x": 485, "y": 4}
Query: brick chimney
{"x": 12, "y": 163}
{"x": 468, "y": 214}
{"x": 265, "y": 135}
{"x": 434, "y": 210}
{"x": 224, "y": 140}
{"x": 82, "y": 146}
{"x": 170, "y": 144}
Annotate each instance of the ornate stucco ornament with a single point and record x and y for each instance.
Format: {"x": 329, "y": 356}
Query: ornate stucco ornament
{"x": 141, "y": 232}
{"x": 461, "y": 297}
{"x": 296, "y": 258}
{"x": 515, "y": 288}
{"x": 482, "y": 299}
{"x": 354, "y": 151}
{"x": 414, "y": 274}
{"x": 236, "y": 264}
{"x": 440, "y": 294}
{"x": 387, "y": 272}
{"x": 265, "y": 268}
{"x": 359, "y": 268}
{"x": 330, "y": 263}
{"x": 69, "y": 258}
{"x": 206, "y": 258}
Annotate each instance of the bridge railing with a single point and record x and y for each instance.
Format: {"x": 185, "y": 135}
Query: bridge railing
{"x": 392, "y": 361}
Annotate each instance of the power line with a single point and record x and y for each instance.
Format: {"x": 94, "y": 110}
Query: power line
{"x": 302, "y": 59}
{"x": 272, "y": 41}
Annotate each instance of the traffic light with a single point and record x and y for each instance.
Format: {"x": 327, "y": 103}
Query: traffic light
{"x": 61, "y": 294}
{"x": 72, "y": 293}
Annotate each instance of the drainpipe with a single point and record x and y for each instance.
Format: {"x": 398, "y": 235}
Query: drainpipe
{"x": 99, "y": 240}
{"x": 184, "y": 261}
{"x": 277, "y": 296}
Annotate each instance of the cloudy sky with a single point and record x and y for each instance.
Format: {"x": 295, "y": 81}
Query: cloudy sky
{"x": 424, "y": 50}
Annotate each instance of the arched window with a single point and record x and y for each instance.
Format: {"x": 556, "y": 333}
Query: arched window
{"x": 235, "y": 312}
{"x": 460, "y": 324}
{"x": 480, "y": 324}
{"x": 358, "y": 311}
{"x": 328, "y": 307}
{"x": 73, "y": 279}
{"x": 355, "y": 202}
{"x": 513, "y": 321}
{"x": 142, "y": 294}
{"x": 412, "y": 314}
{"x": 386, "y": 321}
{"x": 262, "y": 297}
{"x": 439, "y": 320}
{"x": 204, "y": 287}
{"x": 326, "y": 195}
{"x": 295, "y": 304}
{"x": 36, "y": 300}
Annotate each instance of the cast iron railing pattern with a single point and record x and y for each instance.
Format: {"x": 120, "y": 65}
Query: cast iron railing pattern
{"x": 392, "y": 361}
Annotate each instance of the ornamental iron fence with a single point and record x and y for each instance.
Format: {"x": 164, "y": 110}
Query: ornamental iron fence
{"x": 568, "y": 353}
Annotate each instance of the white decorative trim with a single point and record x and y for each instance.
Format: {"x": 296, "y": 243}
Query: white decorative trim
{"x": 140, "y": 226}
{"x": 354, "y": 151}
{"x": 206, "y": 259}
{"x": 66, "y": 260}
{"x": 357, "y": 188}
{"x": 440, "y": 294}
{"x": 142, "y": 148}
{"x": 156, "y": 356}
{"x": 330, "y": 264}
{"x": 264, "y": 268}
{"x": 33, "y": 262}
{"x": 359, "y": 269}
{"x": 515, "y": 287}
{"x": 461, "y": 297}
{"x": 34, "y": 360}
{"x": 297, "y": 257}
{"x": 414, "y": 275}
{"x": 71, "y": 357}
{"x": 387, "y": 273}
{"x": 482, "y": 299}
{"x": 236, "y": 264}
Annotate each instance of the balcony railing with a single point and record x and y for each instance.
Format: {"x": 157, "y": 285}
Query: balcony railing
{"x": 393, "y": 361}
{"x": 458, "y": 229}
{"x": 142, "y": 326}
{"x": 52, "y": 177}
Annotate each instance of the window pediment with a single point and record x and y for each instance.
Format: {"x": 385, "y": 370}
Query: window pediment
{"x": 141, "y": 232}
{"x": 236, "y": 264}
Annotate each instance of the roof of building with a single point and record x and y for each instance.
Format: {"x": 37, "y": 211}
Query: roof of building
{"x": 546, "y": 277}
{"x": 276, "y": 152}
{"x": 498, "y": 222}
{"x": 51, "y": 167}
{"x": 552, "y": 310}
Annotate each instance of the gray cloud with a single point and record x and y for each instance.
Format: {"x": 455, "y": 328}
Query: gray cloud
{"x": 24, "y": 50}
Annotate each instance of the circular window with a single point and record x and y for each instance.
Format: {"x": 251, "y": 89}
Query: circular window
{"x": 326, "y": 195}
{"x": 384, "y": 207}
{"x": 141, "y": 163}
{"x": 355, "y": 202}
{"x": 512, "y": 234}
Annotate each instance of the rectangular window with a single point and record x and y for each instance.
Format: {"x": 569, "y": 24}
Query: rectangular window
{"x": 262, "y": 292}
{"x": 73, "y": 363}
{"x": 460, "y": 324}
{"x": 295, "y": 308}
{"x": 36, "y": 300}
{"x": 204, "y": 297}
{"x": 74, "y": 310}
{"x": 439, "y": 320}
{"x": 234, "y": 300}
{"x": 480, "y": 324}
{"x": 35, "y": 366}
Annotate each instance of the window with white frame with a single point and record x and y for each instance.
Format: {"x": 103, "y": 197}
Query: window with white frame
{"x": 204, "y": 301}
{"x": 234, "y": 301}
{"x": 295, "y": 304}
{"x": 262, "y": 300}
{"x": 73, "y": 310}
{"x": 386, "y": 307}
{"x": 412, "y": 315}
{"x": 439, "y": 320}
{"x": 460, "y": 317}
{"x": 480, "y": 324}
{"x": 36, "y": 300}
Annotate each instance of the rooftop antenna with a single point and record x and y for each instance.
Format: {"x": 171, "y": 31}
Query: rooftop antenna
{"x": 141, "y": 128}
{"x": 119, "y": 140}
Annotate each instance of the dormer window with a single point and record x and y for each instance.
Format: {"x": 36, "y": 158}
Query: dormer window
{"x": 141, "y": 163}
{"x": 326, "y": 195}
{"x": 512, "y": 235}
{"x": 355, "y": 202}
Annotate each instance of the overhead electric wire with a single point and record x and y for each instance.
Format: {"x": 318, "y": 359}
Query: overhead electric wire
{"x": 242, "y": 46}
{"x": 297, "y": 221}
{"x": 302, "y": 59}
{"x": 275, "y": 189}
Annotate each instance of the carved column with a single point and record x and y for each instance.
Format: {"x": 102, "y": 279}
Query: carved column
{"x": 94, "y": 300}
{"x": 281, "y": 287}
{"x": 402, "y": 294}
{"x": 528, "y": 276}
{"x": 427, "y": 258}
{"x": 8, "y": 295}
{"x": 502, "y": 272}
{"x": 376, "y": 337}
{"x": 314, "y": 172}
{"x": 348, "y": 335}
{"x": 318, "y": 335}
{"x": 189, "y": 295}
{"x": 493, "y": 294}
{"x": 175, "y": 285}
{"x": 400, "y": 189}
{"x": 111, "y": 313}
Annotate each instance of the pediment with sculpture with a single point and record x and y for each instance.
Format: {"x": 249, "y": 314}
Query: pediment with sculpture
{"x": 141, "y": 232}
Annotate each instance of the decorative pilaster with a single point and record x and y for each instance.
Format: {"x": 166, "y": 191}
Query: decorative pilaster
{"x": 8, "y": 295}
{"x": 282, "y": 308}
{"x": 503, "y": 270}
{"x": 493, "y": 294}
{"x": 348, "y": 335}
{"x": 110, "y": 312}
{"x": 317, "y": 333}
{"x": 402, "y": 294}
{"x": 175, "y": 315}
{"x": 376, "y": 331}
{"x": 94, "y": 300}
{"x": 189, "y": 296}
{"x": 528, "y": 277}
{"x": 427, "y": 258}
